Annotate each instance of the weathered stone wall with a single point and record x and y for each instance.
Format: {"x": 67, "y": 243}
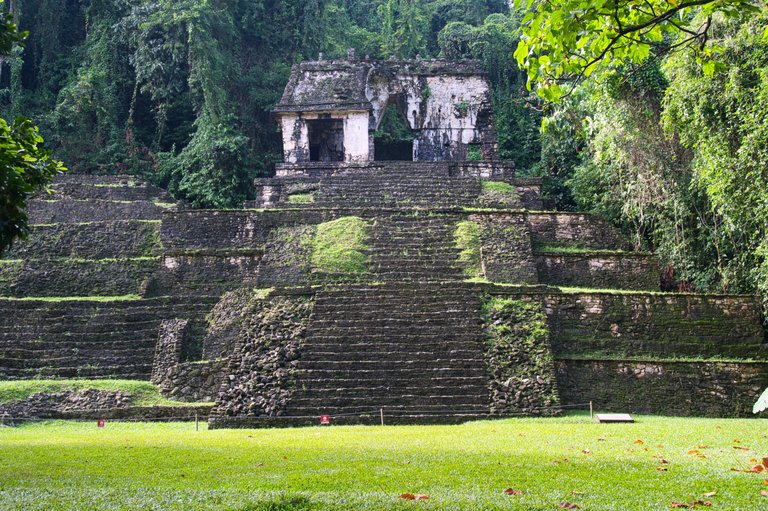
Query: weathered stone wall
{"x": 75, "y": 277}
{"x": 447, "y": 104}
{"x": 185, "y": 232}
{"x": 519, "y": 359}
{"x": 91, "y": 210}
{"x": 195, "y": 381}
{"x": 56, "y": 405}
{"x": 85, "y": 339}
{"x": 98, "y": 240}
{"x": 205, "y": 275}
{"x": 184, "y": 381}
{"x": 708, "y": 389}
{"x": 660, "y": 325}
{"x": 600, "y": 270}
{"x": 118, "y": 190}
{"x": 505, "y": 248}
{"x": 576, "y": 229}
{"x": 287, "y": 257}
{"x": 261, "y": 375}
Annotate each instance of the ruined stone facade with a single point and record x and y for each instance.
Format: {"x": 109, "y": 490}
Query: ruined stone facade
{"x": 449, "y": 294}
{"x": 331, "y": 109}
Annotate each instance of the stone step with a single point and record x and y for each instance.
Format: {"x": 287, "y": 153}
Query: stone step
{"x": 415, "y": 411}
{"x": 394, "y": 361}
{"x": 451, "y": 402}
{"x": 411, "y": 374}
{"x": 374, "y": 355}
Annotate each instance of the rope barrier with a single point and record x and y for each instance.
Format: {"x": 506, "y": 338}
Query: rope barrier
{"x": 373, "y": 414}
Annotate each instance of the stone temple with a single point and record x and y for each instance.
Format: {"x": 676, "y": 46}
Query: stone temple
{"x": 434, "y": 285}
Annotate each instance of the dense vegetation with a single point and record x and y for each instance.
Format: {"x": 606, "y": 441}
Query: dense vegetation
{"x": 668, "y": 138}
{"x": 25, "y": 166}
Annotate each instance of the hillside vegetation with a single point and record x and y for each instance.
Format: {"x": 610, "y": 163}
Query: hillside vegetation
{"x": 671, "y": 144}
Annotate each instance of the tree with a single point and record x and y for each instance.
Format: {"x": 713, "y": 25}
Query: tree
{"x": 568, "y": 40}
{"x": 25, "y": 167}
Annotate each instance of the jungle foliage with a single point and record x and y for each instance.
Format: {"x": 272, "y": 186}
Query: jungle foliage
{"x": 179, "y": 91}
{"x": 658, "y": 124}
{"x": 675, "y": 150}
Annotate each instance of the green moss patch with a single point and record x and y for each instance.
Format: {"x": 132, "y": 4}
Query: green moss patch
{"x": 519, "y": 357}
{"x": 301, "y": 198}
{"x": 142, "y": 393}
{"x": 337, "y": 247}
{"x": 499, "y": 194}
{"x": 499, "y": 187}
{"x": 467, "y": 239}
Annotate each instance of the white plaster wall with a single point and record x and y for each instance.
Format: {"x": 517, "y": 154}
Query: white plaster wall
{"x": 442, "y": 109}
{"x": 356, "y": 143}
{"x": 295, "y": 137}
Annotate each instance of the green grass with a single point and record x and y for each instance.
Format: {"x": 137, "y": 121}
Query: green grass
{"x": 143, "y": 393}
{"x": 301, "y": 198}
{"x": 467, "y": 240}
{"x": 337, "y": 246}
{"x": 499, "y": 186}
{"x": 130, "y": 466}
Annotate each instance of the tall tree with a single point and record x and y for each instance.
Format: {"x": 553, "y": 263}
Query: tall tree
{"x": 25, "y": 167}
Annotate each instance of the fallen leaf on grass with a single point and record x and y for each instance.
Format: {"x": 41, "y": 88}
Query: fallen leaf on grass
{"x": 765, "y": 462}
{"x": 740, "y": 447}
{"x": 764, "y": 493}
{"x": 568, "y": 505}
{"x": 703, "y": 446}
{"x": 693, "y": 451}
{"x": 557, "y": 462}
{"x": 577, "y": 492}
{"x": 638, "y": 442}
{"x": 736, "y": 441}
{"x": 662, "y": 469}
{"x": 411, "y": 496}
{"x": 691, "y": 505}
{"x": 709, "y": 494}
{"x": 765, "y": 482}
{"x": 756, "y": 469}
{"x": 586, "y": 451}
{"x": 510, "y": 491}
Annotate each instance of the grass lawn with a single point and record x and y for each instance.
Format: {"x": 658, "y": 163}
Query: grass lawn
{"x": 137, "y": 466}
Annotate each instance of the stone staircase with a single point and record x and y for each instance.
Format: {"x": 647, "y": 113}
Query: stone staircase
{"x": 85, "y": 338}
{"x": 398, "y": 184}
{"x": 405, "y": 248}
{"x": 423, "y": 358}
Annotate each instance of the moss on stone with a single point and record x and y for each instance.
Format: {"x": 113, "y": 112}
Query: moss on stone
{"x": 301, "y": 198}
{"x": 519, "y": 357}
{"x": 142, "y": 393}
{"x": 337, "y": 247}
{"x": 499, "y": 187}
{"x": 467, "y": 239}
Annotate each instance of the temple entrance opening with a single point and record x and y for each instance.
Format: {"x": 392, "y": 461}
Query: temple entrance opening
{"x": 326, "y": 140}
{"x": 394, "y": 138}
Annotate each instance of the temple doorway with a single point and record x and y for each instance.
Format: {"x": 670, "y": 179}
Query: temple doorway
{"x": 326, "y": 140}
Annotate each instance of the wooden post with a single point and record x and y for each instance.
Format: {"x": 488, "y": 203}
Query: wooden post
{"x": 197, "y": 424}
{"x": 591, "y": 413}
{"x": 381, "y": 412}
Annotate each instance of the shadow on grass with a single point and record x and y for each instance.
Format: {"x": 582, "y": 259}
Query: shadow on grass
{"x": 280, "y": 503}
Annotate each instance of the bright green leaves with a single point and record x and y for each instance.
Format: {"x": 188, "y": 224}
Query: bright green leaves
{"x": 568, "y": 40}
{"x": 25, "y": 167}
